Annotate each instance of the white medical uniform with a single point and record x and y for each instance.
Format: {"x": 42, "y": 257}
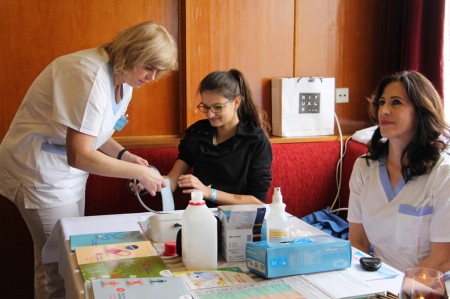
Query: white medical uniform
{"x": 401, "y": 222}
{"x": 74, "y": 91}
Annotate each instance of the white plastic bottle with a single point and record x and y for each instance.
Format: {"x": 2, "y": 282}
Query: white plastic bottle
{"x": 277, "y": 221}
{"x": 198, "y": 235}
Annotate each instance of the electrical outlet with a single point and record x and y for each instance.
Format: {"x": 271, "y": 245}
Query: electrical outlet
{"x": 342, "y": 95}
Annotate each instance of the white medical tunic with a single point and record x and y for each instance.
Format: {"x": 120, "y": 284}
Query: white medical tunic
{"x": 401, "y": 222}
{"x": 75, "y": 91}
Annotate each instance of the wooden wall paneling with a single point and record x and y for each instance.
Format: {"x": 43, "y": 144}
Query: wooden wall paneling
{"x": 33, "y": 33}
{"x": 155, "y": 109}
{"x": 264, "y": 39}
{"x": 359, "y": 61}
{"x": 343, "y": 39}
{"x": 253, "y": 36}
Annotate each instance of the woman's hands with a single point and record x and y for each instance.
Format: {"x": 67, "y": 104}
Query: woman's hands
{"x": 151, "y": 180}
{"x": 81, "y": 155}
{"x": 191, "y": 183}
{"x": 132, "y": 158}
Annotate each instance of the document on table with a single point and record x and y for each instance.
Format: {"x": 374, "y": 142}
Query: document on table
{"x": 273, "y": 289}
{"x": 202, "y": 279}
{"x": 158, "y": 287}
{"x": 338, "y": 284}
{"x": 342, "y": 284}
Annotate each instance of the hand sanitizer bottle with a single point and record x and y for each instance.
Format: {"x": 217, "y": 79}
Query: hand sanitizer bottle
{"x": 277, "y": 221}
{"x": 199, "y": 235}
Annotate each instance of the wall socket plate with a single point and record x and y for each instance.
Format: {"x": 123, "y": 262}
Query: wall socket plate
{"x": 342, "y": 95}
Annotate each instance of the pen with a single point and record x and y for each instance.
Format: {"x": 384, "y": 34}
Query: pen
{"x": 157, "y": 280}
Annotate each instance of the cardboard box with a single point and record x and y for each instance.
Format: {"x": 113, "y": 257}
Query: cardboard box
{"x": 298, "y": 256}
{"x": 240, "y": 224}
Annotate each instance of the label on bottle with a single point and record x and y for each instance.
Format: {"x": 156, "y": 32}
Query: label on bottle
{"x": 278, "y": 234}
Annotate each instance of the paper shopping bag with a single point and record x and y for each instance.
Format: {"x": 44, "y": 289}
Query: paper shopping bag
{"x": 303, "y": 106}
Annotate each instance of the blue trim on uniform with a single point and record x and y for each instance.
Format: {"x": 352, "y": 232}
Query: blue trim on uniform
{"x": 414, "y": 211}
{"x": 390, "y": 192}
{"x": 54, "y": 148}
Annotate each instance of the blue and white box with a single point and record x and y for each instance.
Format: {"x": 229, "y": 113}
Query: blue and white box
{"x": 298, "y": 256}
{"x": 240, "y": 224}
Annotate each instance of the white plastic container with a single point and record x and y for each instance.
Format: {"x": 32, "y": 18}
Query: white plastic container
{"x": 163, "y": 228}
{"x": 277, "y": 221}
{"x": 198, "y": 235}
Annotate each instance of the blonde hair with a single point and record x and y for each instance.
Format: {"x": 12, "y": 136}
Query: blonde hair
{"x": 144, "y": 45}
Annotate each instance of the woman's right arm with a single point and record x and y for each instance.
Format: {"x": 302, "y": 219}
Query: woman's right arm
{"x": 82, "y": 155}
{"x": 357, "y": 234}
{"x": 358, "y": 238}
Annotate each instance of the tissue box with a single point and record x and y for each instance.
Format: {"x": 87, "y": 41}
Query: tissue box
{"x": 298, "y": 256}
{"x": 240, "y": 224}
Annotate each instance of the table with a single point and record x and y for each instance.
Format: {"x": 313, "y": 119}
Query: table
{"x": 58, "y": 248}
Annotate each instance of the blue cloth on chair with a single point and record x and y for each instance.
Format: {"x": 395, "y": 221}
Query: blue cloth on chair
{"x": 328, "y": 223}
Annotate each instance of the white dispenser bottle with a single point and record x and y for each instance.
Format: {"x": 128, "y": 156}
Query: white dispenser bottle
{"x": 277, "y": 221}
{"x": 198, "y": 235}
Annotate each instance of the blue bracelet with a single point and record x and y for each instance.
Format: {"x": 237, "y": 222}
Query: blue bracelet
{"x": 213, "y": 195}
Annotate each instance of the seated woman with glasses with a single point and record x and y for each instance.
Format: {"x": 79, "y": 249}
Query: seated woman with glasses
{"x": 229, "y": 151}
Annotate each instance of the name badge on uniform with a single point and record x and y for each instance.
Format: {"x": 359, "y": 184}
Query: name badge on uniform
{"x": 121, "y": 122}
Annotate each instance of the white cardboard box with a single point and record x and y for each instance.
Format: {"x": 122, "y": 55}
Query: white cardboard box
{"x": 240, "y": 224}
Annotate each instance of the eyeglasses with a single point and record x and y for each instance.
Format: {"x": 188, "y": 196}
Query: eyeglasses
{"x": 217, "y": 108}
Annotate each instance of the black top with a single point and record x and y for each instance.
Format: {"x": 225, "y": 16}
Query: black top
{"x": 240, "y": 165}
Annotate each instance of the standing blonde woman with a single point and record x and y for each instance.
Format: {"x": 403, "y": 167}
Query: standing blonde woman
{"x": 62, "y": 132}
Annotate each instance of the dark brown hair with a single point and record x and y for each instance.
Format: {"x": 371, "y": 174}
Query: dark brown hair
{"x": 431, "y": 131}
{"x": 232, "y": 84}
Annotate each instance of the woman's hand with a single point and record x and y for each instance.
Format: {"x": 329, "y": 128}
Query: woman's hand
{"x": 191, "y": 183}
{"x": 151, "y": 180}
{"x": 132, "y": 158}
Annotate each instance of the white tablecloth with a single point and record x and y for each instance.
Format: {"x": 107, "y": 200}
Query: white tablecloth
{"x": 57, "y": 248}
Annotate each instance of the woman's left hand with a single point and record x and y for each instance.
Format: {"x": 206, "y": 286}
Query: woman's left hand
{"x": 132, "y": 158}
{"x": 191, "y": 183}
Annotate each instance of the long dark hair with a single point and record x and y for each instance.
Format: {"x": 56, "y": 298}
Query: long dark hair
{"x": 431, "y": 131}
{"x": 232, "y": 84}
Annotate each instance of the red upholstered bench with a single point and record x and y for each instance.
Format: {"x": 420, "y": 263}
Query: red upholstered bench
{"x": 306, "y": 173}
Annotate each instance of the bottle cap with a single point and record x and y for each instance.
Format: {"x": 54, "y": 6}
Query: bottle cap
{"x": 170, "y": 249}
{"x": 277, "y": 197}
{"x": 196, "y": 198}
